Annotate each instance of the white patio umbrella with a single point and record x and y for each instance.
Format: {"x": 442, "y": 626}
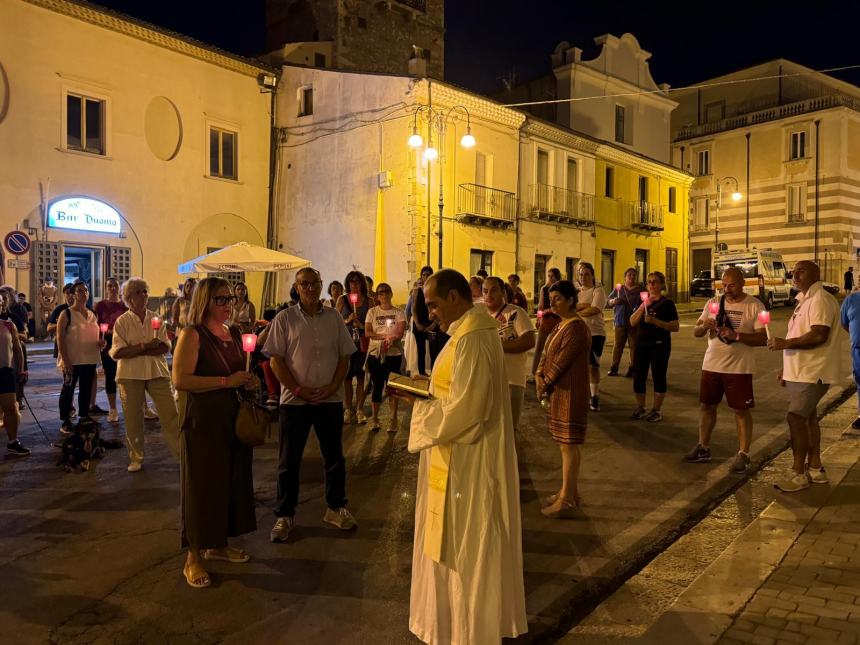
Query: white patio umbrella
{"x": 243, "y": 257}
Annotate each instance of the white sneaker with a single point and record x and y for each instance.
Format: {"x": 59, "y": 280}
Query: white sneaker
{"x": 793, "y": 483}
{"x": 818, "y": 476}
{"x": 134, "y": 466}
{"x": 347, "y": 416}
{"x": 281, "y": 530}
{"x": 149, "y": 413}
{"x": 340, "y": 517}
{"x": 113, "y": 416}
{"x": 360, "y": 417}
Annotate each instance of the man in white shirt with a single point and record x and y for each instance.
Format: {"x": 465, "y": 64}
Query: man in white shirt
{"x": 728, "y": 366}
{"x": 810, "y": 363}
{"x": 518, "y": 336}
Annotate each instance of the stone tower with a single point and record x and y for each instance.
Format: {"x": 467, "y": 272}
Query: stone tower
{"x": 385, "y": 36}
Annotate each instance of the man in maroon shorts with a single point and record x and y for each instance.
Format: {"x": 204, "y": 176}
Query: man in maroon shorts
{"x": 733, "y": 331}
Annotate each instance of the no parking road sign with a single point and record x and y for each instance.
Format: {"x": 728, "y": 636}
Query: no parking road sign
{"x": 17, "y": 242}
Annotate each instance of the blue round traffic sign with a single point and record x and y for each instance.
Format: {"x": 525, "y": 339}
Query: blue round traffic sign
{"x": 17, "y": 243}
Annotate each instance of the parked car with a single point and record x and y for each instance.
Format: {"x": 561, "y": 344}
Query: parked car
{"x": 702, "y": 285}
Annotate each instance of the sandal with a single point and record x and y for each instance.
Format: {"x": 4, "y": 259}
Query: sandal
{"x": 549, "y": 501}
{"x": 196, "y": 576}
{"x": 566, "y": 512}
{"x": 237, "y": 556}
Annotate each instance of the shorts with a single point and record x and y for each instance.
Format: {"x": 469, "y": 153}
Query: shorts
{"x": 8, "y": 380}
{"x": 803, "y": 398}
{"x": 737, "y": 388}
{"x": 596, "y": 350}
{"x": 356, "y": 364}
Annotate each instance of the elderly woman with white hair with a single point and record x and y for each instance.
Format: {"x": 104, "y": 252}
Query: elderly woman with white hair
{"x": 139, "y": 345}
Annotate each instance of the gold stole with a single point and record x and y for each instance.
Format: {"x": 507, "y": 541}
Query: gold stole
{"x": 440, "y": 455}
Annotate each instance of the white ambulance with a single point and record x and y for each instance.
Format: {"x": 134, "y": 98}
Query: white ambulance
{"x": 765, "y": 274}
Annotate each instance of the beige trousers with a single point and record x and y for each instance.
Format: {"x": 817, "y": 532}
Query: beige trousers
{"x": 133, "y": 396}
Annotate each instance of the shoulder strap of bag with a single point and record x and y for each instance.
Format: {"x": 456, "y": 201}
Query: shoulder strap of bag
{"x": 207, "y": 334}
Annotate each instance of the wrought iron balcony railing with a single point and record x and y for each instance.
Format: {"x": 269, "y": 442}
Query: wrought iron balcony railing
{"x": 644, "y": 215}
{"x": 487, "y": 206}
{"x": 560, "y": 205}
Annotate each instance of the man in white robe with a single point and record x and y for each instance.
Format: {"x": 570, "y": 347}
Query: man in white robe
{"x": 467, "y": 562}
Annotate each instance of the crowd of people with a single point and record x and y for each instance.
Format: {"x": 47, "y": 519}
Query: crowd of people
{"x": 317, "y": 359}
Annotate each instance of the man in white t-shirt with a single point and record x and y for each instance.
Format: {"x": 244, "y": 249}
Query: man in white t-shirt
{"x": 518, "y": 336}
{"x": 733, "y": 331}
{"x": 810, "y": 364}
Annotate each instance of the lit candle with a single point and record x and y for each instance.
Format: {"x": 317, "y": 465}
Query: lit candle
{"x": 353, "y": 298}
{"x": 713, "y": 307}
{"x": 539, "y": 314}
{"x": 618, "y": 287}
{"x": 249, "y": 343}
{"x": 103, "y": 327}
{"x": 156, "y": 323}
{"x": 643, "y": 295}
{"x": 764, "y": 319}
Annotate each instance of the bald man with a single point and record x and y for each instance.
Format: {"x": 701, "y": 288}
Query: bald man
{"x": 810, "y": 364}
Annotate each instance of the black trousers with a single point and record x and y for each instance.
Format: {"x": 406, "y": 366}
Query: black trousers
{"x": 655, "y": 357}
{"x": 436, "y": 344}
{"x": 421, "y": 345}
{"x": 109, "y": 366}
{"x": 87, "y": 376}
{"x": 379, "y": 371}
{"x": 296, "y": 422}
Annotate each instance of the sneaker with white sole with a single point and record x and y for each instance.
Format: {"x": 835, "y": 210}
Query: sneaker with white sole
{"x": 149, "y": 413}
{"x": 698, "y": 455}
{"x": 375, "y": 425}
{"x": 360, "y": 417}
{"x": 135, "y": 467}
{"x": 793, "y": 483}
{"x": 639, "y": 413}
{"x": 66, "y": 429}
{"x": 740, "y": 464}
{"x": 348, "y": 416}
{"x": 340, "y": 517}
{"x": 655, "y": 416}
{"x": 818, "y": 475}
{"x": 113, "y": 416}
{"x": 281, "y": 530}
{"x": 15, "y": 449}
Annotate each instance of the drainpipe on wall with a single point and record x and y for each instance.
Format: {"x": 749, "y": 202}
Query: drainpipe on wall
{"x": 817, "y": 161}
{"x": 747, "y": 243}
{"x": 272, "y": 223}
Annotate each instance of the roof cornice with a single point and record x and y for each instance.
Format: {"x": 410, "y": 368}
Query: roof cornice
{"x": 152, "y": 34}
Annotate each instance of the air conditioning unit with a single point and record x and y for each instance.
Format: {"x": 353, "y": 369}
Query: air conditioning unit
{"x": 383, "y": 179}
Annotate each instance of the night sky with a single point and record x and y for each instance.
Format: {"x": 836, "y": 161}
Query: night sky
{"x": 487, "y": 40}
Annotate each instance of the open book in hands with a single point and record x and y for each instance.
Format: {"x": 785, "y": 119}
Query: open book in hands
{"x": 419, "y": 387}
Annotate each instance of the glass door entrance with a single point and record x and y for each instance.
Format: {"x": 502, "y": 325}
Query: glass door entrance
{"x": 85, "y": 263}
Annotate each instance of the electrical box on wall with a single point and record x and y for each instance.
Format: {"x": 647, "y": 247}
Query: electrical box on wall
{"x": 383, "y": 179}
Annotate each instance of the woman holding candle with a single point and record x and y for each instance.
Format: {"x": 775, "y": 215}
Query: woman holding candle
{"x": 79, "y": 343}
{"x": 590, "y": 304}
{"x": 107, "y": 312}
{"x": 625, "y": 299}
{"x": 656, "y": 319}
{"x": 385, "y": 327}
{"x": 354, "y": 306}
{"x": 244, "y": 314}
{"x": 139, "y": 346}
{"x": 562, "y": 376}
{"x": 217, "y": 487}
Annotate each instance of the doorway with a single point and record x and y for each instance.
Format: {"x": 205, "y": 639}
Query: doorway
{"x": 672, "y": 273}
{"x": 607, "y": 266}
{"x": 541, "y": 266}
{"x": 85, "y": 263}
{"x": 641, "y": 263}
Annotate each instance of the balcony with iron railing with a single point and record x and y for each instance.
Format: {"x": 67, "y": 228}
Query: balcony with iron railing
{"x": 560, "y": 205}
{"x": 643, "y": 216}
{"x": 769, "y": 114}
{"x": 486, "y": 206}
{"x": 409, "y": 5}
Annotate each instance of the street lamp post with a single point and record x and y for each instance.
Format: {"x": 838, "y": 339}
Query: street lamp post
{"x": 736, "y": 197}
{"x": 437, "y": 120}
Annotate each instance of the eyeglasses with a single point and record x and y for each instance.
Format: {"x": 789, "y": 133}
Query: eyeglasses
{"x": 309, "y": 284}
{"x": 220, "y": 301}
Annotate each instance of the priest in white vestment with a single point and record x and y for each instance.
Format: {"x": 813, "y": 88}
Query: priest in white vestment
{"x": 467, "y": 562}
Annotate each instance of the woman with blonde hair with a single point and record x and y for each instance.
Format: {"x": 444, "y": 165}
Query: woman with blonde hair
{"x": 217, "y": 488}
{"x": 244, "y": 314}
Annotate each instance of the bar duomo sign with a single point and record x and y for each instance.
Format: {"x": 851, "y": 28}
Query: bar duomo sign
{"x": 84, "y": 214}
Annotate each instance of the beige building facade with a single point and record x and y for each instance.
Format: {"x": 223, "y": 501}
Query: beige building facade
{"x": 788, "y": 139}
{"x": 126, "y": 150}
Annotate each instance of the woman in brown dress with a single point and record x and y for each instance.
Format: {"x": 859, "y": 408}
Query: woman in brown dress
{"x": 562, "y": 376}
{"x": 217, "y": 487}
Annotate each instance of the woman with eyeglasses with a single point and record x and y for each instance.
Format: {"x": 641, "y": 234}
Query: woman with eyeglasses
{"x": 355, "y": 315}
{"x": 79, "y": 344}
{"x": 657, "y": 319}
{"x": 107, "y": 312}
{"x": 385, "y": 327}
{"x": 139, "y": 351}
{"x": 244, "y": 313}
{"x": 217, "y": 487}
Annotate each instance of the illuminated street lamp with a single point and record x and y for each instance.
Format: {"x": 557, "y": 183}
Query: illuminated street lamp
{"x": 438, "y": 120}
{"x": 736, "y": 197}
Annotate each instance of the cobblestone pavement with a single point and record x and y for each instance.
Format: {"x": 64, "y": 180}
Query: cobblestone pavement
{"x": 813, "y": 596}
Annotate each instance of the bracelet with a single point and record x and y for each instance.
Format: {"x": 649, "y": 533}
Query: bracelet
{"x": 223, "y": 380}
{"x": 297, "y": 390}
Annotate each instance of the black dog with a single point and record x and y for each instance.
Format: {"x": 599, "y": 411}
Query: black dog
{"x": 82, "y": 446}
